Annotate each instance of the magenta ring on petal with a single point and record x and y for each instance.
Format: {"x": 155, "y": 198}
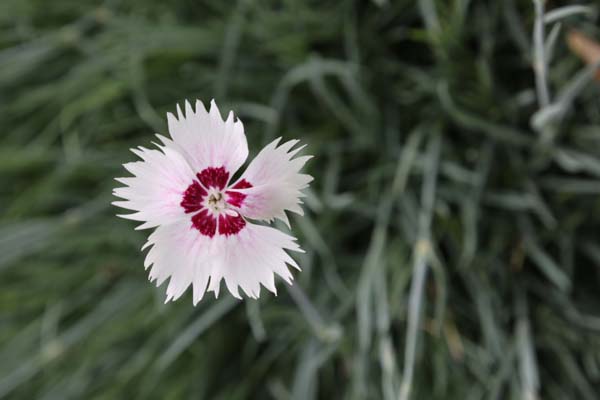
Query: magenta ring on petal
{"x": 204, "y": 232}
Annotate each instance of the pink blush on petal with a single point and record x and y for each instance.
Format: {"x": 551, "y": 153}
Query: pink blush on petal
{"x": 205, "y": 223}
{"x": 230, "y": 225}
{"x": 236, "y": 198}
{"x": 192, "y": 198}
{"x": 214, "y": 177}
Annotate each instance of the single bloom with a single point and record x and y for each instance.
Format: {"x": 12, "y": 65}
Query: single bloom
{"x": 202, "y": 217}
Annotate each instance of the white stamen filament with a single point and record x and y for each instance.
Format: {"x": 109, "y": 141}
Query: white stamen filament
{"x": 217, "y": 203}
{"x": 231, "y": 212}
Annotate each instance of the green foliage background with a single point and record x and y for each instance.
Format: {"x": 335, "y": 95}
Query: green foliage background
{"x": 436, "y": 195}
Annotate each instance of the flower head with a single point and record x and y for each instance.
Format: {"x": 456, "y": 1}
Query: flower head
{"x": 204, "y": 233}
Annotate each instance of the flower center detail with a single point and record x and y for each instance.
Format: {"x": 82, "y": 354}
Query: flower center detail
{"x": 215, "y": 201}
{"x": 215, "y": 207}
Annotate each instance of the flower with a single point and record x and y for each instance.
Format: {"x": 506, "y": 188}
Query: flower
{"x": 203, "y": 231}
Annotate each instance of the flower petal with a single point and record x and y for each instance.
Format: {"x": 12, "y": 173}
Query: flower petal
{"x": 245, "y": 261}
{"x": 206, "y": 140}
{"x": 156, "y": 188}
{"x": 251, "y": 258}
{"x": 276, "y": 183}
{"x": 182, "y": 254}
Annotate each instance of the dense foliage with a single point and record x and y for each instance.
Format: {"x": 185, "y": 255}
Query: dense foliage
{"x": 451, "y": 230}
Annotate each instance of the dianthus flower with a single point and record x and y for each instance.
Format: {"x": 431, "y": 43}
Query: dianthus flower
{"x": 202, "y": 218}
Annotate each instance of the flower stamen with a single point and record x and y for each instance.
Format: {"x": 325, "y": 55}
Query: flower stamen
{"x": 216, "y": 201}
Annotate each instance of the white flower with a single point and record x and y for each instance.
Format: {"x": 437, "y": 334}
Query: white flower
{"x": 203, "y": 234}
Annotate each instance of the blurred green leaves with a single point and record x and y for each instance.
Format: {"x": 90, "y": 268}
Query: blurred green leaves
{"x": 431, "y": 155}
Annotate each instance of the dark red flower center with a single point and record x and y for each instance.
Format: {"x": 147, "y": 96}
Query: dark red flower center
{"x": 213, "y": 205}
{"x": 236, "y": 198}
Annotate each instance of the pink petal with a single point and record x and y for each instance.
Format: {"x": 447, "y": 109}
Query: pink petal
{"x": 192, "y": 198}
{"x": 235, "y": 198}
{"x": 247, "y": 260}
{"x": 252, "y": 258}
{"x": 181, "y": 254}
{"x": 156, "y": 188}
{"x": 206, "y": 140}
{"x": 205, "y": 223}
{"x": 214, "y": 177}
{"x": 276, "y": 183}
